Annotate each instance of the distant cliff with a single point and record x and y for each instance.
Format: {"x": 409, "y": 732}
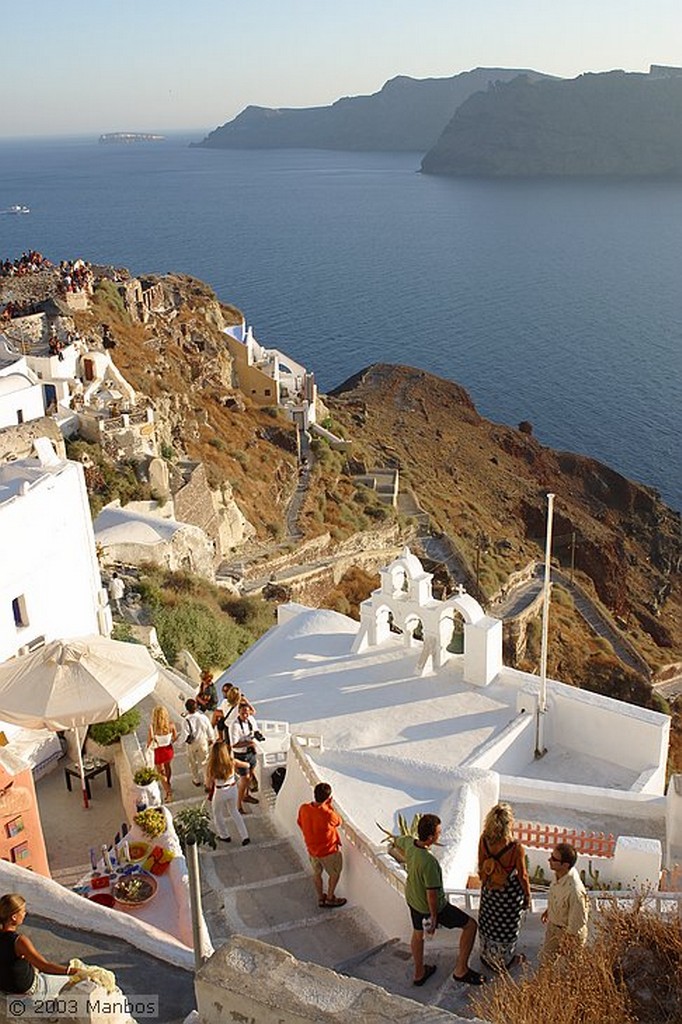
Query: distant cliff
{"x": 407, "y": 114}
{"x": 602, "y": 125}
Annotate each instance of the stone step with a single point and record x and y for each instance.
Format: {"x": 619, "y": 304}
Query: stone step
{"x": 327, "y": 939}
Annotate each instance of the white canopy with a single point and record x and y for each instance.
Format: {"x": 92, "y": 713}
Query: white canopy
{"x": 70, "y": 684}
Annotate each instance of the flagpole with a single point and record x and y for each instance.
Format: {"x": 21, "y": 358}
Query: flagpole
{"x": 546, "y": 590}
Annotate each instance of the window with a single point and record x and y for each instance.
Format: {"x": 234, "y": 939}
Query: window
{"x": 20, "y": 415}
{"x": 268, "y": 392}
{"x": 19, "y": 611}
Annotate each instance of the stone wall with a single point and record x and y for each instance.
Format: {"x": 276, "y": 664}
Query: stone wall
{"x": 250, "y": 981}
{"x": 16, "y": 442}
{"x": 193, "y": 503}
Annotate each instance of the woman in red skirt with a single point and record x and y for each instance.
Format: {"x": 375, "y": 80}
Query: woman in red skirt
{"x": 162, "y": 736}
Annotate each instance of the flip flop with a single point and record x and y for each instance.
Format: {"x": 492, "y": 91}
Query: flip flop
{"x": 335, "y": 901}
{"x": 470, "y": 978}
{"x": 429, "y": 971}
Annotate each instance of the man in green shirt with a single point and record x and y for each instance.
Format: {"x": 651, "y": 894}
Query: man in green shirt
{"x": 426, "y": 899}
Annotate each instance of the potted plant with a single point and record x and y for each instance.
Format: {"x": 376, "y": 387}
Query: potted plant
{"x": 197, "y": 821}
{"x": 148, "y": 789}
{"x": 404, "y": 829}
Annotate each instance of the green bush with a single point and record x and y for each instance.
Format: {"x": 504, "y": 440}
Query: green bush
{"x": 253, "y": 613}
{"x": 106, "y": 733}
{"x": 108, "y": 294}
{"x": 192, "y": 626}
{"x": 124, "y": 631}
{"x": 106, "y": 479}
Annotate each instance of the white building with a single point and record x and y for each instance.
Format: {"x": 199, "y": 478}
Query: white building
{"x": 50, "y": 586}
{"x": 400, "y": 725}
{"x": 270, "y": 377}
{"x": 134, "y": 537}
{"x": 21, "y": 394}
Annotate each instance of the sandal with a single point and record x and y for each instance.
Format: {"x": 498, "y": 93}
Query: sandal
{"x": 323, "y": 901}
{"x": 429, "y": 971}
{"x": 470, "y": 978}
{"x": 335, "y": 901}
{"x": 250, "y": 800}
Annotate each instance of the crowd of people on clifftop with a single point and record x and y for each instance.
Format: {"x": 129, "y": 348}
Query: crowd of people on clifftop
{"x": 28, "y": 263}
{"x": 14, "y": 309}
{"x": 74, "y": 276}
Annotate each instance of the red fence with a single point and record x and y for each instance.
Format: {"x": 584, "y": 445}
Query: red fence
{"x": 546, "y": 837}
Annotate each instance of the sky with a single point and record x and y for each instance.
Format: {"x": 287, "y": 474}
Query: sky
{"x": 159, "y": 65}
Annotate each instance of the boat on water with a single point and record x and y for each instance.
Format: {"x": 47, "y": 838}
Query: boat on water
{"x": 17, "y": 209}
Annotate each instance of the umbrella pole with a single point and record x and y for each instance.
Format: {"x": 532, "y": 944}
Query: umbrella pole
{"x": 81, "y": 768}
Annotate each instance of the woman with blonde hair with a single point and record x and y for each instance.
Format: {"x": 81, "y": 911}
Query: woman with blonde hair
{"x": 505, "y": 889}
{"x": 23, "y": 971}
{"x": 221, "y": 780}
{"x": 162, "y": 735}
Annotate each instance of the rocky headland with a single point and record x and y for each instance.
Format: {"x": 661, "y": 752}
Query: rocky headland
{"x": 407, "y": 114}
{"x": 597, "y": 125}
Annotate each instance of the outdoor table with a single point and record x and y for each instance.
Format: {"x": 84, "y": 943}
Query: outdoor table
{"x": 91, "y": 768}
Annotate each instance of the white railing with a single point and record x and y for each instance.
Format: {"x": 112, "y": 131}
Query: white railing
{"x": 662, "y": 903}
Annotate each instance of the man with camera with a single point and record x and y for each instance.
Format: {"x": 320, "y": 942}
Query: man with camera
{"x": 244, "y": 733}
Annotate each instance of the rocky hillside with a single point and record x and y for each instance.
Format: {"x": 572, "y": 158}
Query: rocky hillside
{"x": 485, "y": 484}
{"x": 482, "y": 483}
{"x": 406, "y": 114}
{"x": 598, "y": 125}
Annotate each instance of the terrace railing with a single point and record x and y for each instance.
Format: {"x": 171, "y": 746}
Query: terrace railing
{"x": 662, "y": 903}
{"x": 546, "y": 837}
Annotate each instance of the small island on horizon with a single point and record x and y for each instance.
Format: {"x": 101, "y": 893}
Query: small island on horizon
{"x": 126, "y": 137}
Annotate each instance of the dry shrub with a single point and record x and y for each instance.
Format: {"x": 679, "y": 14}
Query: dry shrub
{"x": 631, "y": 973}
{"x": 353, "y": 588}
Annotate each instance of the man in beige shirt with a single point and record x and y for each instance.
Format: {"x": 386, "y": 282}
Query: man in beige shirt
{"x": 568, "y": 906}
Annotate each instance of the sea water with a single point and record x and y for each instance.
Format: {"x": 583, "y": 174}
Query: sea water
{"x": 557, "y": 302}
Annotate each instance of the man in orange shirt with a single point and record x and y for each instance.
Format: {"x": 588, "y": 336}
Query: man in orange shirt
{"x": 319, "y": 823}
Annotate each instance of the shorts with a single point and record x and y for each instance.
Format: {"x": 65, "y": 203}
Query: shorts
{"x": 449, "y": 917}
{"x": 249, "y": 756}
{"x": 332, "y": 864}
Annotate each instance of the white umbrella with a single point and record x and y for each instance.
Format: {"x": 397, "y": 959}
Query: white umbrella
{"x": 70, "y": 684}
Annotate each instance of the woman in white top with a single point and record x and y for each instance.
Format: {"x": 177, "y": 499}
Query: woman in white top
{"x": 162, "y": 735}
{"x": 222, "y": 792}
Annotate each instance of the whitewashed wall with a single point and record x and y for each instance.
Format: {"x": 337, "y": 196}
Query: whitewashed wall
{"x": 22, "y": 405}
{"x": 511, "y": 750}
{"x": 47, "y": 554}
{"x": 622, "y": 803}
{"x": 49, "y": 900}
{"x": 636, "y": 863}
{"x": 609, "y": 729}
{"x": 371, "y": 878}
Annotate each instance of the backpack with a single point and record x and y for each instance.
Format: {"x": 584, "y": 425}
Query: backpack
{"x": 494, "y": 875}
{"x": 277, "y": 778}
